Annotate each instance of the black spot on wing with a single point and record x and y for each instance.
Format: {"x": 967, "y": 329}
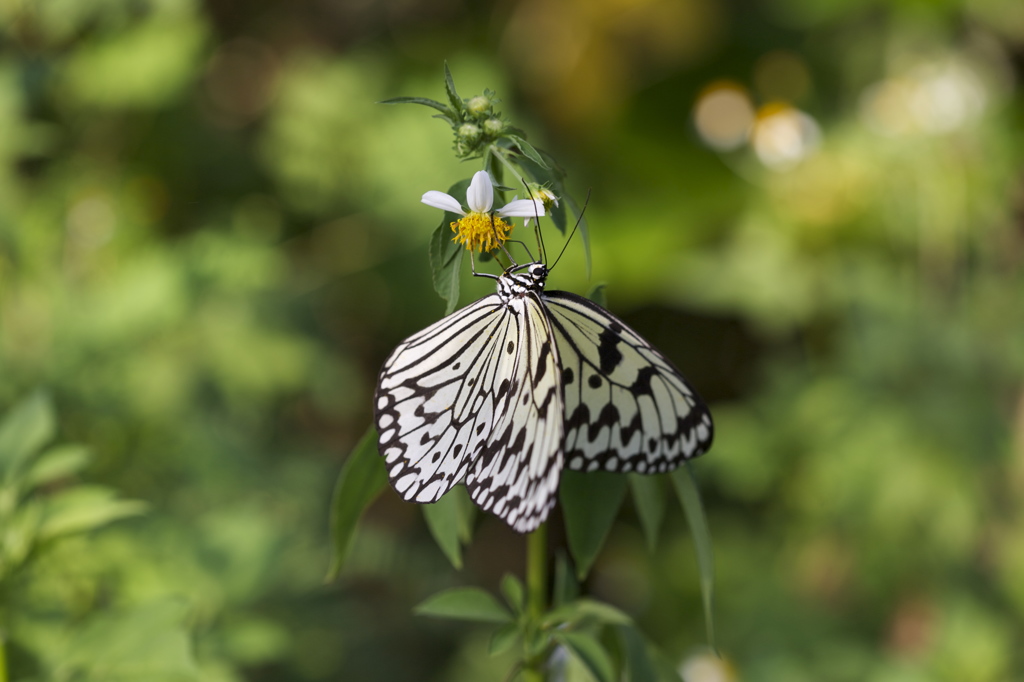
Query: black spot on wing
{"x": 627, "y": 430}
{"x": 642, "y": 384}
{"x": 542, "y": 365}
{"x": 609, "y": 416}
{"x": 579, "y": 417}
{"x": 503, "y": 389}
{"x": 607, "y": 350}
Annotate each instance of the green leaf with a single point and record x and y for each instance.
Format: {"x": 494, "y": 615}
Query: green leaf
{"x": 639, "y": 667}
{"x": 55, "y": 464}
{"x": 465, "y": 603}
{"x": 590, "y": 503}
{"x": 566, "y": 587}
{"x": 514, "y": 593}
{"x": 361, "y": 480}
{"x": 20, "y": 534}
{"x": 28, "y": 426}
{"x": 589, "y": 652}
{"x": 494, "y": 167}
{"x": 445, "y": 261}
{"x": 445, "y": 525}
{"x": 597, "y": 295}
{"x": 586, "y": 609}
{"x": 558, "y": 215}
{"x": 458, "y": 106}
{"x": 446, "y": 255}
{"x": 503, "y": 639}
{"x": 650, "y": 500}
{"x": 466, "y": 513}
{"x": 447, "y": 113}
{"x": 689, "y": 496}
{"x": 528, "y": 150}
{"x": 84, "y": 508}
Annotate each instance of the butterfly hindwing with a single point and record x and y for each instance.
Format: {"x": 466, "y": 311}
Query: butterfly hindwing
{"x": 517, "y": 473}
{"x": 627, "y": 408}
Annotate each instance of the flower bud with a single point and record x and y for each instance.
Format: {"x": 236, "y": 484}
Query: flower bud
{"x": 479, "y": 104}
{"x": 494, "y": 126}
{"x": 544, "y": 195}
{"x": 469, "y": 132}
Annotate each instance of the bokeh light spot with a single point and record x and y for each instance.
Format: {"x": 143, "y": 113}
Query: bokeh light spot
{"x": 783, "y": 136}
{"x": 723, "y": 116}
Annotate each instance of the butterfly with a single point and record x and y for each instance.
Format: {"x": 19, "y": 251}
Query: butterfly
{"x": 506, "y": 392}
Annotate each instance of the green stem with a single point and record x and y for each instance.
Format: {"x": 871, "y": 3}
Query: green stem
{"x": 496, "y": 152}
{"x": 3, "y": 658}
{"x": 536, "y": 593}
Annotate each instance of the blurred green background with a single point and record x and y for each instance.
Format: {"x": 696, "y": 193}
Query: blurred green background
{"x": 211, "y": 236}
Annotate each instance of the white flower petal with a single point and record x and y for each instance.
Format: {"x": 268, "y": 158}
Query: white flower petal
{"x": 480, "y": 195}
{"x": 445, "y": 202}
{"x": 523, "y": 208}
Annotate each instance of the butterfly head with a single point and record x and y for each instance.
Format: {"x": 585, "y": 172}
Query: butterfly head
{"x": 520, "y": 280}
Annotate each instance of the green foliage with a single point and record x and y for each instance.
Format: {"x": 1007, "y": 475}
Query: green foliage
{"x": 361, "y": 479}
{"x": 591, "y": 502}
{"x": 35, "y": 509}
{"x": 41, "y": 504}
{"x": 210, "y": 238}
{"x": 446, "y": 255}
{"x": 689, "y": 496}
{"x": 450, "y": 520}
{"x": 468, "y": 603}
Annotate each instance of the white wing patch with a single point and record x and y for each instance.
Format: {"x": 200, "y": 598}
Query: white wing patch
{"x": 627, "y": 408}
{"x": 470, "y": 394}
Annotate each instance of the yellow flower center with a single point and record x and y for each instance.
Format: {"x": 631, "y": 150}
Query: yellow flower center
{"x": 480, "y": 231}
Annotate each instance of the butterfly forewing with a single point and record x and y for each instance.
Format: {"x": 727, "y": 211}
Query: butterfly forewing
{"x": 517, "y": 472}
{"x": 627, "y": 408}
{"x": 475, "y": 395}
{"x": 435, "y": 400}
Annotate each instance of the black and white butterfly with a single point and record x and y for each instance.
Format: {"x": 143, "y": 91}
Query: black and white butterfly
{"x": 507, "y": 391}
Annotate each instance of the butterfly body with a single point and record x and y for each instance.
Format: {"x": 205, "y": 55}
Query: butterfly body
{"x": 507, "y": 391}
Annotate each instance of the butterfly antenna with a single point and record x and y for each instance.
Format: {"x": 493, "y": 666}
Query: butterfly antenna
{"x": 574, "y": 228}
{"x": 536, "y": 228}
{"x": 525, "y": 248}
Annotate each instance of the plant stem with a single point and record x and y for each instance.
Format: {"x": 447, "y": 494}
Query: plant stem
{"x": 536, "y": 593}
{"x": 498, "y": 154}
{"x": 537, "y": 571}
{"x": 3, "y": 658}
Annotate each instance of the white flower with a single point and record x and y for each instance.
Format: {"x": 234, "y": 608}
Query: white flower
{"x": 478, "y": 228}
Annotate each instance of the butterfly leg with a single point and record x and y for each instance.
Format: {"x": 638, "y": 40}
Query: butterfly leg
{"x": 472, "y": 268}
